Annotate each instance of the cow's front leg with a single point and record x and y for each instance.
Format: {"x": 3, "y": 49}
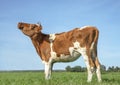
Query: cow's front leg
{"x": 48, "y": 69}
{"x": 89, "y": 66}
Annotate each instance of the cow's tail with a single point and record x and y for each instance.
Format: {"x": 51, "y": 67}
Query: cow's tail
{"x": 95, "y": 39}
{"x": 96, "y": 36}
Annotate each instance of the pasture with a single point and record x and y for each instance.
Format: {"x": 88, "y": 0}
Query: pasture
{"x": 58, "y": 78}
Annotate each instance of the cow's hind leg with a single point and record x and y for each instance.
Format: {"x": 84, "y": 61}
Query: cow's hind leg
{"x": 98, "y": 69}
{"x": 96, "y": 61}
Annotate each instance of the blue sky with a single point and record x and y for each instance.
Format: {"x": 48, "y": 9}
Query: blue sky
{"x": 16, "y": 49}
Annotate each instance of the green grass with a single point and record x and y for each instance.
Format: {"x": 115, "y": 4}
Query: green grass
{"x": 58, "y": 78}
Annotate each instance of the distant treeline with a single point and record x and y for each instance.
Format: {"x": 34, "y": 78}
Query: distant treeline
{"x": 83, "y": 69}
{"x": 113, "y": 69}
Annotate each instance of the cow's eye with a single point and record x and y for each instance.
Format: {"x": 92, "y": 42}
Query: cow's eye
{"x": 32, "y": 28}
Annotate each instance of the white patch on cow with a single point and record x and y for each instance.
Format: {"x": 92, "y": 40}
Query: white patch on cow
{"x": 76, "y": 45}
{"x": 78, "y": 48}
{"x": 84, "y": 27}
{"x": 53, "y": 57}
{"x": 53, "y": 54}
{"x": 98, "y": 74}
{"x": 92, "y": 45}
{"x": 51, "y": 44}
{"x": 43, "y": 62}
{"x": 38, "y": 24}
{"x": 52, "y": 37}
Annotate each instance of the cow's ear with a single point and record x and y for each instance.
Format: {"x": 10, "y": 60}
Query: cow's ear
{"x": 39, "y": 25}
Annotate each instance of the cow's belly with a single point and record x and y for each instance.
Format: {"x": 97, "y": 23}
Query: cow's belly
{"x": 67, "y": 58}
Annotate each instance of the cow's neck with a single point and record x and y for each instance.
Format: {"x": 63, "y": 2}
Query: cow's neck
{"x": 37, "y": 41}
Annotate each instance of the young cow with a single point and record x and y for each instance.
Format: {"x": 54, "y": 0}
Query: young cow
{"x": 65, "y": 47}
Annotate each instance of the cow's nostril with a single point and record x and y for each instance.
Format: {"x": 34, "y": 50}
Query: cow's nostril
{"x": 21, "y": 28}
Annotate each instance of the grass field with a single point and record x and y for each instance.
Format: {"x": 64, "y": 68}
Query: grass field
{"x": 58, "y": 78}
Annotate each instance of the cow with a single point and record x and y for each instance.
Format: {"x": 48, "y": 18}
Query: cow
{"x": 65, "y": 47}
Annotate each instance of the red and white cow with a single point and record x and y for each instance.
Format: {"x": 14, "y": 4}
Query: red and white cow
{"x": 65, "y": 47}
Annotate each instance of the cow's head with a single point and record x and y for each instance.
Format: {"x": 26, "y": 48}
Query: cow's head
{"x": 29, "y": 29}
